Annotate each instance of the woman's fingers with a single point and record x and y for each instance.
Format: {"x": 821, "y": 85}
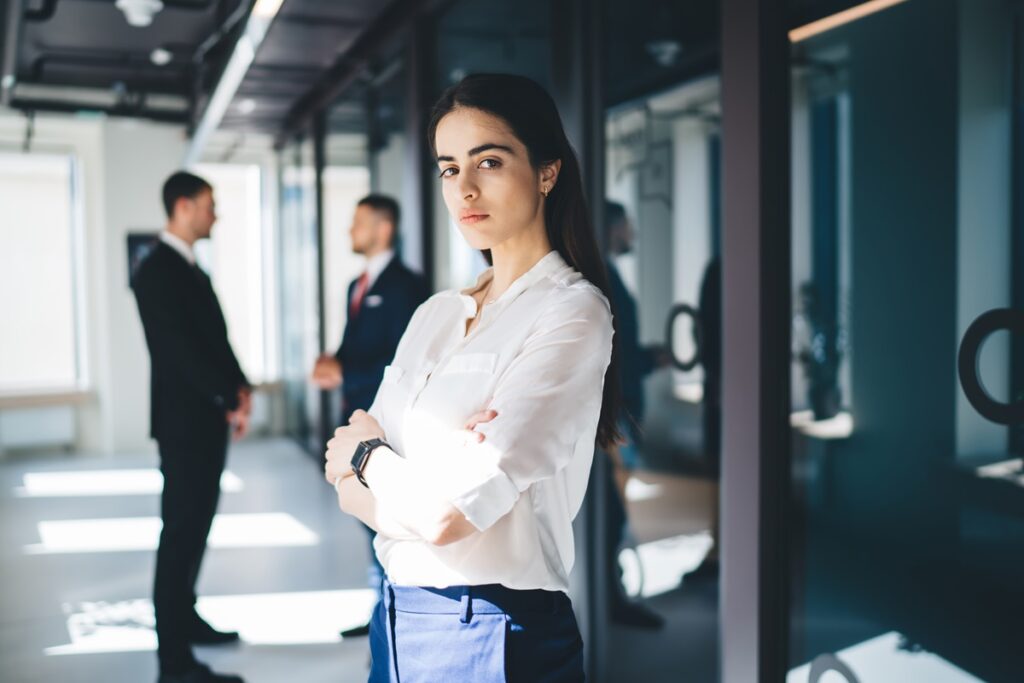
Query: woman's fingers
{"x": 480, "y": 417}
{"x": 467, "y": 435}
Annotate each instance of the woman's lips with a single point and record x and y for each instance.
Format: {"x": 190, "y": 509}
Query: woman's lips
{"x": 469, "y": 219}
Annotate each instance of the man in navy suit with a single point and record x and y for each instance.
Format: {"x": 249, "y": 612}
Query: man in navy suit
{"x": 380, "y": 303}
{"x": 199, "y": 396}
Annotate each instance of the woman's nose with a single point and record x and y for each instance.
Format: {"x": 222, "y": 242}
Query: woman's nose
{"x": 467, "y": 187}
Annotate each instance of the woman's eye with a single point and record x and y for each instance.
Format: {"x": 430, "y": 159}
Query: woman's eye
{"x": 445, "y": 172}
{"x": 490, "y": 163}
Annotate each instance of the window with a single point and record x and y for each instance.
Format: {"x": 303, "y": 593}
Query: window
{"x": 41, "y": 347}
{"x": 343, "y": 186}
{"x": 234, "y": 257}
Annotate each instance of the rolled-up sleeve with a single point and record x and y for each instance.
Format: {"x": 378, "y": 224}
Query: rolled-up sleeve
{"x": 547, "y": 400}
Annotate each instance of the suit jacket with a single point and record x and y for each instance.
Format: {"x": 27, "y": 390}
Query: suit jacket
{"x": 195, "y": 376}
{"x": 635, "y": 361}
{"x": 371, "y": 336}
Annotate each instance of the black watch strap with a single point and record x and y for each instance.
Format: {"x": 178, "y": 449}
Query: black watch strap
{"x": 362, "y": 454}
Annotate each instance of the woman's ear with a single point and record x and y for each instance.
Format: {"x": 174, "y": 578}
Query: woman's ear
{"x": 549, "y": 175}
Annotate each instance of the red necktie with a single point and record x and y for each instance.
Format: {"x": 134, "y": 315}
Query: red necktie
{"x": 357, "y": 297}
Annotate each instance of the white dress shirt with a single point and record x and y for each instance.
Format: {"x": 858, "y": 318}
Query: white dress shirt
{"x": 375, "y": 265}
{"x": 179, "y": 245}
{"x": 538, "y": 357}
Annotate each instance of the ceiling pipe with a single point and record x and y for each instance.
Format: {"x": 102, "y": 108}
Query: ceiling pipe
{"x": 8, "y": 77}
{"x": 256, "y": 27}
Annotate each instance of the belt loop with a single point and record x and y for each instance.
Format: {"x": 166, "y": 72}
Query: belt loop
{"x": 466, "y": 608}
{"x": 387, "y": 595}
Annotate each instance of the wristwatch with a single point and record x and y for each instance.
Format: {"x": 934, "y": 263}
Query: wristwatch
{"x": 362, "y": 454}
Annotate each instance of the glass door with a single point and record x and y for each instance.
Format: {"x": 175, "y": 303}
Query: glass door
{"x": 300, "y": 320}
{"x": 662, "y": 236}
{"x": 907, "y": 490}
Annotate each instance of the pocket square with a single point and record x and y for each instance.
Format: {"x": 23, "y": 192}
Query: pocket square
{"x": 374, "y": 300}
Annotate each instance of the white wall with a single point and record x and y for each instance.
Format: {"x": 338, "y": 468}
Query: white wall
{"x": 137, "y": 159}
{"x": 123, "y": 165}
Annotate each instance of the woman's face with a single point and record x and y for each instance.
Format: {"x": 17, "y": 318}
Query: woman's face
{"x": 492, "y": 191}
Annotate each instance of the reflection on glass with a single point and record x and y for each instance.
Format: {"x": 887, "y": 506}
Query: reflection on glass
{"x": 662, "y": 138}
{"x": 907, "y": 509}
{"x": 300, "y": 331}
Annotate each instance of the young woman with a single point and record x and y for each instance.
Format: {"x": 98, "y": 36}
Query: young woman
{"x": 474, "y": 458}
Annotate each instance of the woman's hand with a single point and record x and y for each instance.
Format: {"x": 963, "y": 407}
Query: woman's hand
{"x": 468, "y": 434}
{"x": 340, "y": 449}
{"x": 362, "y": 427}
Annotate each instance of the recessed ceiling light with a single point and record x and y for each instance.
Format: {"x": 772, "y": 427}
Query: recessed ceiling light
{"x": 247, "y": 106}
{"x": 139, "y": 12}
{"x": 160, "y": 56}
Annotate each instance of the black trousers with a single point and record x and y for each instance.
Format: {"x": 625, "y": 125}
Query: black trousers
{"x": 191, "y": 491}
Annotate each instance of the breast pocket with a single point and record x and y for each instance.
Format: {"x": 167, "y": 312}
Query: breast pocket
{"x": 391, "y": 397}
{"x": 471, "y": 363}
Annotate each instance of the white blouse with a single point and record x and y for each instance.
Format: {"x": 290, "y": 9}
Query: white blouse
{"x": 537, "y": 356}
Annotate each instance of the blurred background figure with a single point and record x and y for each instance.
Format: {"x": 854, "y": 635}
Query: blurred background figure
{"x": 635, "y": 363}
{"x": 199, "y": 397}
{"x": 380, "y": 303}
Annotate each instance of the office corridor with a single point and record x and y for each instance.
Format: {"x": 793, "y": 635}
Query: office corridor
{"x": 78, "y": 537}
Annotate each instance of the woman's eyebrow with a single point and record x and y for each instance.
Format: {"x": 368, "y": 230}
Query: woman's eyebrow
{"x": 478, "y": 149}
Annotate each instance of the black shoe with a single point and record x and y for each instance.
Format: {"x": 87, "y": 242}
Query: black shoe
{"x": 201, "y": 633}
{"x": 635, "y": 615}
{"x": 356, "y": 632}
{"x": 200, "y": 673}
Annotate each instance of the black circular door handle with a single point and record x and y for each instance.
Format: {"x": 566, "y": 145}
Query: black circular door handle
{"x": 698, "y": 335}
{"x": 969, "y": 365}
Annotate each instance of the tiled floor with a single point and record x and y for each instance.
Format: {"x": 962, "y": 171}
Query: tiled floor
{"x": 76, "y": 565}
{"x": 77, "y": 539}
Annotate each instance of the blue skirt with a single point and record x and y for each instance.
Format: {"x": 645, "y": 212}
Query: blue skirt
{"x": 485, "y": 634}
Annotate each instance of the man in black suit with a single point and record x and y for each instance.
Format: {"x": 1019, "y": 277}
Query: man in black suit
{"x": 199, "y": 395}
{"x": 636, "y": 362}
{"x": 380, "y": 303}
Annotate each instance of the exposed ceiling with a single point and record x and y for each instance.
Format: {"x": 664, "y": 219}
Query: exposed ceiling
{"x": 306, "y": 39}
{"x": 83, "y": 55}
{"x": 74, "y": 55}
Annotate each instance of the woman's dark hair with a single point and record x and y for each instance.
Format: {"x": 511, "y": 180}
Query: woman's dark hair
{"x": 531, "y": 114}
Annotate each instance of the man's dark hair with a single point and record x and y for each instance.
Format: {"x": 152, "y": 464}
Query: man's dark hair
{"x": 614, "y": 213}
{"x": 387, "y": 207}
{"x": 182, "y": 184}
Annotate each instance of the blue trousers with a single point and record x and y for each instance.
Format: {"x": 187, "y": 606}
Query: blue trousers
{"x": 485, "y": 634}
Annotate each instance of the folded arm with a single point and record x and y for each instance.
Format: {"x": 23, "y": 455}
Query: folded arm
{"x": 544, "y": 401}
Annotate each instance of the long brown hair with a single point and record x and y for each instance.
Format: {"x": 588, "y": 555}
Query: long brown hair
{"x": 531, "y": 114}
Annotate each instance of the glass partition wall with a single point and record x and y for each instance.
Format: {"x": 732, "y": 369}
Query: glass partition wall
{"x": 907, "y": 506}
{"x": 660, "y": 217}
{"x": 300, "y": 292}
{"x": 903, "y": 500}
